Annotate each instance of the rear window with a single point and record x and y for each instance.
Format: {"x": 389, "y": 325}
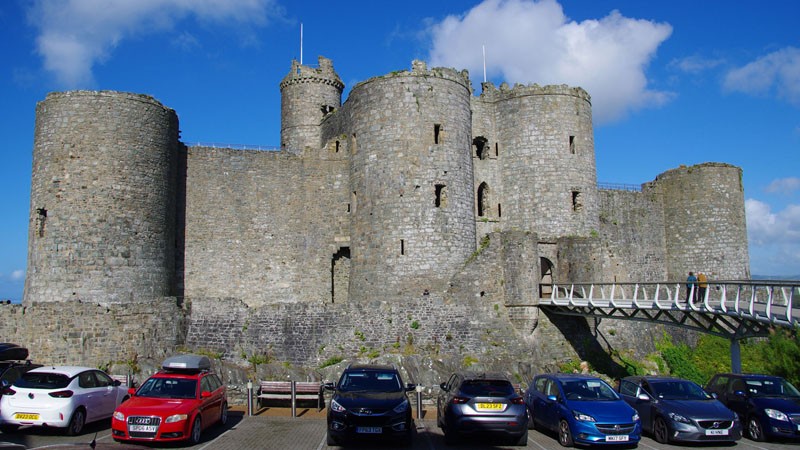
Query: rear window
{"x": 42, "y": 380}
{"x": 475, "y": 388}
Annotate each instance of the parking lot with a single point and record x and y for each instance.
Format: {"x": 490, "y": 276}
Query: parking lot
{"x": 274, "y": 428}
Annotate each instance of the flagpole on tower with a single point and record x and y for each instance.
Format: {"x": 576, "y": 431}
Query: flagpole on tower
{"x": 484, "y": 62}
{"x": 301, "y": 43}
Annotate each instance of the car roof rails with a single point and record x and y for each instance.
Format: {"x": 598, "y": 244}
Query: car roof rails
{"x": 187, "y": 363}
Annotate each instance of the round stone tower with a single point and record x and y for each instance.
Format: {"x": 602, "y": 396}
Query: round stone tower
{"x": 413, "y": 224}
{"x": 549, "y": 174}
{"x": 705, "y": 221}
{"x": 307, "y": 95}
{"x": 102, "y": 224}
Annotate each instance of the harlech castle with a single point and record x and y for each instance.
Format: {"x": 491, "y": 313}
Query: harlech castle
{"x": 415, "y": 216}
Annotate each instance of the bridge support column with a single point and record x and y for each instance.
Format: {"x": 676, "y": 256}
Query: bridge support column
{"x": 736, "y": 356}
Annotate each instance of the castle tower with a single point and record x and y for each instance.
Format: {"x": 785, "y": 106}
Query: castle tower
{"x": 705, "y": 221}
{"x": 412, "y": 224}
{"x": 545, "y": 144}
{"x": 307, "y": 95}
{"x": 102, "y": 224}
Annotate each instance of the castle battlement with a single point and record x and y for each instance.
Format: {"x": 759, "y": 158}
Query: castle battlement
{"x": 492, "y": 93}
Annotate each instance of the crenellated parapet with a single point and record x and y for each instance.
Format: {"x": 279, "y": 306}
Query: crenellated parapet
{"x": 492, "y": 93}
{"x": 420, "y": 69}
{"x": 323, "y": 74}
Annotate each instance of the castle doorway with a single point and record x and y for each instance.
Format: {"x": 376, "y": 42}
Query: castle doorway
{"x": 546, "y": 281}
{"x": 340, "y": 275}
{"x": 483, "y": 200}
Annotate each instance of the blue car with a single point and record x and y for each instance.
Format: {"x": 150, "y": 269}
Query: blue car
{"x": 582, "y": 409}
{"x": 769, "y": 406}
{"x": 673, "y": 409}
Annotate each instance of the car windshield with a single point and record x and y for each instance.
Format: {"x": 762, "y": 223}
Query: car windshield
{"x": 678, "y": 390}
{"x": 168, "y": 388}
{"x": 588, "y": 390}
{"x": 370, "y": 381}
{"x": 43, "y": 380}
{"x": 771, "y": 387}
{"x": 476, "y": 388}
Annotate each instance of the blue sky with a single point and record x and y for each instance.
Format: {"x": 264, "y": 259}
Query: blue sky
{"x": 672, "y": 82}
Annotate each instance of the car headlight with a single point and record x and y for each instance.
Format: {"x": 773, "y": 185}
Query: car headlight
{"x": 176, "y": 418}
{"x": 775, "y": 414}
{"x": 119, "y": 416}
{"x": 635, "y": 417}
{"x": 335, "y": 407}
{"x": 401, "y": 407}
{"x": 679, "y": 418}
{"x": 582, "y": 417}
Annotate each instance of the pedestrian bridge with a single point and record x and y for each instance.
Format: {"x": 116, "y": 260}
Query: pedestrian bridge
{"x": 731, "y": 309}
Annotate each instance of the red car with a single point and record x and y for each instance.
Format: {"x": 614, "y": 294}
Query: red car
{"x": 175, "y": 404}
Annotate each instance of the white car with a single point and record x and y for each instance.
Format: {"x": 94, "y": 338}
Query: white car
{"x": 62, "y": 397}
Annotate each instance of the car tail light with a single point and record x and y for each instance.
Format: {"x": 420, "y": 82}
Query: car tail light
{"x": 518, "y": 401}
{"x": 61, "y": 394}
{"x": 459, "y": 400}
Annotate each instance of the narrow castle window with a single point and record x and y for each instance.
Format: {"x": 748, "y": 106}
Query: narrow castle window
{"x": 441, "y": 196}
{"x": 327, "y": 109}
{"x": 402, "y": 246}
{"x": 437, "y": 131}
{"x": 41, "y": 218}
{"x": 572, "y": 144}
{"x": 499, "y": 211}
{"x": 577, "y": 201}
{"x": 337, "y": 147}
{"x": 483, "y": 199}
{"x": 496, "y": 149}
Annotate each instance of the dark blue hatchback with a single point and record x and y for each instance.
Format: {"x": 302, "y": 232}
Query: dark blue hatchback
{"x": 582, "y": 409}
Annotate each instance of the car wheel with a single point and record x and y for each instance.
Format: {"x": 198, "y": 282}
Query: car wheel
{"x": 522, "y": 441}
{"x": 223, "y": 414}
{"x": 76, "y": 422}
{"x": 197, "y": 430}
{"x": 564, "y": 434}
{"x": 661, "y": 431}
{"x": 8, "y": 428}
{"x": 330, "y": 440}
{"x": 450, "y": 437}
{"x": 754, "y": 430}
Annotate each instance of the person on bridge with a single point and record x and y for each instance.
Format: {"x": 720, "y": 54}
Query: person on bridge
{"x": 691, "y": 282}
{"x": 702, "y": 284}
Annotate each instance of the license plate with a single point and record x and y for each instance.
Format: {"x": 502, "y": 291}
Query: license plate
{"x": 369, "y": 430}
{"x": 617, "y": 438}
{"x": 716, "y": 432}
{"x": 489, "y": 406}
{"x": 144, "y": 428}
{"x": 23, "y": 416}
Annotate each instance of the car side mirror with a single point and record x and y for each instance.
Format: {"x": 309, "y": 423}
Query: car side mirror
{"x": 116, "y": 383}
{"x": 443, "y": 386}
{"x": 643, "y": 397}
{"x": 329, "y": 386}
{"x": 205, "y": 394}
{"x": 131, "y": 391}
{"x": 714, "y": 395}
{"x": 740, "y": 393}
{"x": 552, "y": 398}
{"x": 410, "y": 387}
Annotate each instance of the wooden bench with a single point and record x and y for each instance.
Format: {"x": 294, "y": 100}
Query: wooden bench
{"x": 282, "y": 390}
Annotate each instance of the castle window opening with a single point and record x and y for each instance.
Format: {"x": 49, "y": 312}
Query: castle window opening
{"x": 481, "y": 150}
{"x": 441, "y": 195}
{"x": 402, "y": 246}
{"x": 41, "y": 218}
{"x": 348, "y": 207}
{"x": 499, "y": 210}
{"x": 496, "y": 149}
{"x": 337, "y": 147}
{"x": 572, "y": 144}
{"x": 437, "y": 131}
{"x": 483, "y": 199}
{"x": 327, "y": 109}
{"x": 340, "y": 275}
{"x": 577, "y": 201}
{"x": 546, "y": 280}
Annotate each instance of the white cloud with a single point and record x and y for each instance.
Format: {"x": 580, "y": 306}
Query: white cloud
{"x": 74, "y": 35}
{"x": 774, "y": 239}
{"x": 695, "y": 64}
{"x": 17, "y": 275}
{"x": 784, "y": 186}
{"x": 777, "y": 73}
{"x": 531, "y": 41}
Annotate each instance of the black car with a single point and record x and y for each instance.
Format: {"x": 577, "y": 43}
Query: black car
{"x": 478, "y": 404}
{"x": 673, "y": 409}
{"x": 369, "y": 401}
{"x": 13, "y": 364}
{"x": 768, "y": 405}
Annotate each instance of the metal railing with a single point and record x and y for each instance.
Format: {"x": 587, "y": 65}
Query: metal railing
{"x": 265, "y": 148}
{"x": 619, "y": 187}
